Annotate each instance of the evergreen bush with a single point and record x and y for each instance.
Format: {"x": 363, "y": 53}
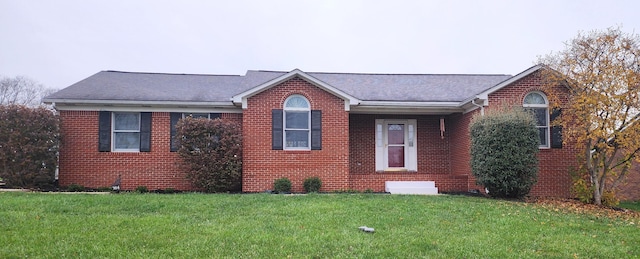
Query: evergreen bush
{"x": 504, "y": 148}
{"x": 282, "y": 185}
{"x": 312, "y": 184}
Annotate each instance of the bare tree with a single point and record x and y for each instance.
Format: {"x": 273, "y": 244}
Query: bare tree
{"x": 22, "y": 90}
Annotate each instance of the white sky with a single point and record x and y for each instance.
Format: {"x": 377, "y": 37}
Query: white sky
{"x": 60, "y": 42}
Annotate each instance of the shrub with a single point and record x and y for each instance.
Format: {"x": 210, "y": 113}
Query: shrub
{"x": 75, "y": 188}
{"x": 609, "y": 198}
{"x": 212, "y": 153}
{"x": 504, "y": 148}
{"x": 29, "y": 141}
{"x": 142, "y": 189}
{"x": 282, "y": 185}
{"x": 312, "y": 184}
{"x": 580, "y": 187}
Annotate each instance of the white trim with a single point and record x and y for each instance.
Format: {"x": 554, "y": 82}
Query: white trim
{"x": 547, "y": 117}
{"x": 484, "y": 95}
{"x": 511, "y": 80}
{"x": 193, "y": 109}
{"x": 284, "y": 122}
{"x": 113, "y": 133}
{"x": 241, "y": 98}
{"x": 411, "y": 145}
{"x": 134, "y": 102}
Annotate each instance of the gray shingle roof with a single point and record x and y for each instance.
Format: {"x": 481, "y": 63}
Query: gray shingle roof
{"x": 130, "y": 86}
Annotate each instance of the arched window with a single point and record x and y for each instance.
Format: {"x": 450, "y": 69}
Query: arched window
{"x": 297, "y": 122}
{"x": 537, "y": 103}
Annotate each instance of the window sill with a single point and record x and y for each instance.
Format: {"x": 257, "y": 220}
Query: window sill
{"x": 297, "y": 151}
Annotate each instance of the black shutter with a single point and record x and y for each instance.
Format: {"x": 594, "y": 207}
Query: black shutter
{"x": 145, "y": 131}
{"x": 316, "y": 130}
{"x": 556, "y": 131}
{"x": 276, "y": 129}
{"x": 175, "y": 117}
{"x": 215, "y": 115}
{"x": 104, "y": 131}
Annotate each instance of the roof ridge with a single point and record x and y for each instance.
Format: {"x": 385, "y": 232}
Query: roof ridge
{"x": 163, "y": 73}
{"x": 390, "y": 74}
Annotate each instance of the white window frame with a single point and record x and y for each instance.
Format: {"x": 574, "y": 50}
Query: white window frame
{"x": 546, "y": 108}
{"x": 114, "y": 132}
{"x": 411, "y": 145}
{"x": 286, "y": 109}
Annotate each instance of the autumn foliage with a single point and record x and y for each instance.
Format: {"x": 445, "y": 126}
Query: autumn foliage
{"x": 29, "y": 142}
{"x": 212, "y": 153}
{"x": 601, "y": 71}
{"x": 504, "y": 148}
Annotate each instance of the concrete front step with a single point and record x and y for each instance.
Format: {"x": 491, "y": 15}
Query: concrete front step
{"x": 411, "y": 187}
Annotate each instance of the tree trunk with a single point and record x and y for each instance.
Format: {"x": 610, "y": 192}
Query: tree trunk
{"x": 597, "y": 192}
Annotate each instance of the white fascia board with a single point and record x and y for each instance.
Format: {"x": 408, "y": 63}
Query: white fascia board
{"x": 511, "y": 80}
{"x": 153, "y": 106}
{"x": 242, "y": 97}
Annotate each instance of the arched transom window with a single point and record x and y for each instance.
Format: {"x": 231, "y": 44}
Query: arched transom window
{"x": 297, "y": 122}
{"x": 537, "y": 103}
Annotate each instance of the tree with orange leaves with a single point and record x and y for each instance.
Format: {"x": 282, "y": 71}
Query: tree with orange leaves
{"x": 601, "y": 71}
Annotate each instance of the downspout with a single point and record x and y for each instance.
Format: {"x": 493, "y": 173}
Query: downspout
{"x": 478, "y": 105}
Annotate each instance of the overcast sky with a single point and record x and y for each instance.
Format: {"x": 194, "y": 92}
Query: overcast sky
{"x": 61, "y": 42}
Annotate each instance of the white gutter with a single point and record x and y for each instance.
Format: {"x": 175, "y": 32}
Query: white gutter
{"x": 134, "y": 102}
{"x": 478, "y": 105}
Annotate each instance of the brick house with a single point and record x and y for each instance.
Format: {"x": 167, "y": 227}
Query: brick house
{"x": 353, "y": 131}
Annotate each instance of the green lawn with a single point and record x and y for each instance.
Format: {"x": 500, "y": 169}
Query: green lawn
{"x": 632, "y": 205}
{"x": 45, "y": 225}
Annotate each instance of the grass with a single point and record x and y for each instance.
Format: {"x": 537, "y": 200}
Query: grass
{"x": 301, "y": 226}
{"x": 632, "y": 205}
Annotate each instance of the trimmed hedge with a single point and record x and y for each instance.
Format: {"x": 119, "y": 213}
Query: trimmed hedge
{"x": 504, "y": 148}
{"x": 212, "y": 153}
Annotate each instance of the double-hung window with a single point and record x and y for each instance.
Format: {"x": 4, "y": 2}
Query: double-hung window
{"x": 537, "y": 103}
{"x": 296, "y": 126}
{"x": 297, "y": 123}
{"x": 126, "y": 131}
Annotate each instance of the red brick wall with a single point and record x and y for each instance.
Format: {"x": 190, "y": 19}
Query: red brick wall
{"x": 554, "y": 163}
{"x": 81, "y": 163}
{"x": 262, "y": 165}
{"x": 434, "y": 163}
{"x": 461, "y": 146}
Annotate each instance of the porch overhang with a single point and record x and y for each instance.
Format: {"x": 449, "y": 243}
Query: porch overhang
{"x": 423, "y": 108}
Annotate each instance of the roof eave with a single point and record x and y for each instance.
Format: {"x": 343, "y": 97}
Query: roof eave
{"x": 77, "y": 104}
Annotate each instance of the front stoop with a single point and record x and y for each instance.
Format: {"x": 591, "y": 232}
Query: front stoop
{"x": 411, "y": 187}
